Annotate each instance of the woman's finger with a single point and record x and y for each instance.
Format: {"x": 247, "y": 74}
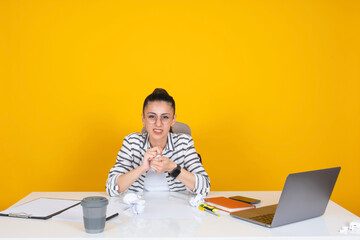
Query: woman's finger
{"x": 155, "y": 163}
{"x": 156, "y": 150}
{"x": 156, "y": 169}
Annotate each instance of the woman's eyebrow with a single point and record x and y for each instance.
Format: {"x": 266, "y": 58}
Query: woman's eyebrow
{"x": 160, "y": 114}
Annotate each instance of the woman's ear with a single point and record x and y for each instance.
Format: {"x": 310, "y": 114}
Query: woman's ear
{"x": 143, "y": 118}
{"x": 173, "y": 120}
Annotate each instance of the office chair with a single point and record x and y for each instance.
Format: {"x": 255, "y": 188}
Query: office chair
{"x": 178, "y": 127}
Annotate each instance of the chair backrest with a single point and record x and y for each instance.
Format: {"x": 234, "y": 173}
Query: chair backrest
{"x": 178, "y": 127}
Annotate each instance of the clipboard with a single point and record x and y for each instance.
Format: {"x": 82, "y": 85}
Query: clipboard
{"x": 40, "y": 208}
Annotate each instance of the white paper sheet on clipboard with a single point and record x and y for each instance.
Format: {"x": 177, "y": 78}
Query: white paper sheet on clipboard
{"x": 41, "y": 208}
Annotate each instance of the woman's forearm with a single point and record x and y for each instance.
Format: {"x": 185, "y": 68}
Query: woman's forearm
{"x": 187, "y": 178}
{"x": 126, "y": 180}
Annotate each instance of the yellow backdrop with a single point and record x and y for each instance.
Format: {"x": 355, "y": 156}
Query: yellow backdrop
{"x": 268, "y": 87}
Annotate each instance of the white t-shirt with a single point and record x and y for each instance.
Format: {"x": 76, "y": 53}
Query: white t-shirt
{"x": 155, "y": 182}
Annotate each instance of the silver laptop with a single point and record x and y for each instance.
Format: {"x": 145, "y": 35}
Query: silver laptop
{"x": 305, "y": 195}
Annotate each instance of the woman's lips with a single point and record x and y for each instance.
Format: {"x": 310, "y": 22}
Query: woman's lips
{"x": 157, "y": 131}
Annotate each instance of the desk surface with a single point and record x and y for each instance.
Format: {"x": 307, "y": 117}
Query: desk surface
{"x": 190, "y": 223}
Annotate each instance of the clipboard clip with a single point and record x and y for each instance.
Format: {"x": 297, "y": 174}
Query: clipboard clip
{"x": 20, "y": 215}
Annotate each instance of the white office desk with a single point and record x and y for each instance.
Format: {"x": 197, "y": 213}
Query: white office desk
{"x": 158, "y": 221}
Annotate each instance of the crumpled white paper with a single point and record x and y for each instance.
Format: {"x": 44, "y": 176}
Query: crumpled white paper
{"x": 195, "y": 201}
{"x": 354, "y": 228}
{"x": 135, "y": 201}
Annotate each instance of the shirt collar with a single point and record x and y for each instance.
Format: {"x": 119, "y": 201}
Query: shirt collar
{"x": 169, "y": 144}
{"x": 146, "y": 145}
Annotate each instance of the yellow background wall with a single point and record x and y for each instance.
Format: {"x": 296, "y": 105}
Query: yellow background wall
{"x": 268, "y": 87}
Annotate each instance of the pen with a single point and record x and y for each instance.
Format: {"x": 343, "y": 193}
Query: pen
{"x": 208, "y": 210}
{"x": 112, "y": 216}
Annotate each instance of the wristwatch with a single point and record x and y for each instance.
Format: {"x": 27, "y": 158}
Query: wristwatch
{"x": 174, "y": 173}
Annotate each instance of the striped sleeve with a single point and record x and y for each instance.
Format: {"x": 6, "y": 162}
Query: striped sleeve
{"x": 123, "y": 165}
{"x": 192, "y": 164}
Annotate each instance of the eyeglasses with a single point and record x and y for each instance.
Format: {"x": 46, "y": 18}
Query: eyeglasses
{"x": 152, "y": 118}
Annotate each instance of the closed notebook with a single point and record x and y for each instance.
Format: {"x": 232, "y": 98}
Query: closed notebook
{"x": 227, "y": 204}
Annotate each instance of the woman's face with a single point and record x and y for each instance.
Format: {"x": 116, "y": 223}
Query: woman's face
{"x": 157, "y": 118}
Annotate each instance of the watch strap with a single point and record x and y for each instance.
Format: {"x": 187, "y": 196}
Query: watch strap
{"x": 174, "y": 173}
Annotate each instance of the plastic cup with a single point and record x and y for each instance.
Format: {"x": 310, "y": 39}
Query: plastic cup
{"x": 94, "y": 212}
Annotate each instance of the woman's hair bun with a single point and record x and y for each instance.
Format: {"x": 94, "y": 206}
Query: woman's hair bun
{"x": 160, "y": 91}
{"x": 159, "y": 94}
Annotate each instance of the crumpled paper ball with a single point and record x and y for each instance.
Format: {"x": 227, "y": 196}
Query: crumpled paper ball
{"x": 135, "y": 201}
{"x": 195, "y": 201}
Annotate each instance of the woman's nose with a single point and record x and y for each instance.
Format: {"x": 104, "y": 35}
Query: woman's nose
{"x": 158, "y": 122}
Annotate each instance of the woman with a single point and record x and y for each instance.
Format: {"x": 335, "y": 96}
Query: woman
{"x": 158, "y": 160}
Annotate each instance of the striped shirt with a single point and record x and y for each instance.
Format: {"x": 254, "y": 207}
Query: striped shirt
{"x": 179, "y": 148}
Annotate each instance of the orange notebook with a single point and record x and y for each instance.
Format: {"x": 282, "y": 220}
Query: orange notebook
{"x": 227, "y": 204}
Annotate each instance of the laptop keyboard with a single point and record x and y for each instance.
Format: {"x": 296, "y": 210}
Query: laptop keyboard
{"x": 267, "y": 218}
